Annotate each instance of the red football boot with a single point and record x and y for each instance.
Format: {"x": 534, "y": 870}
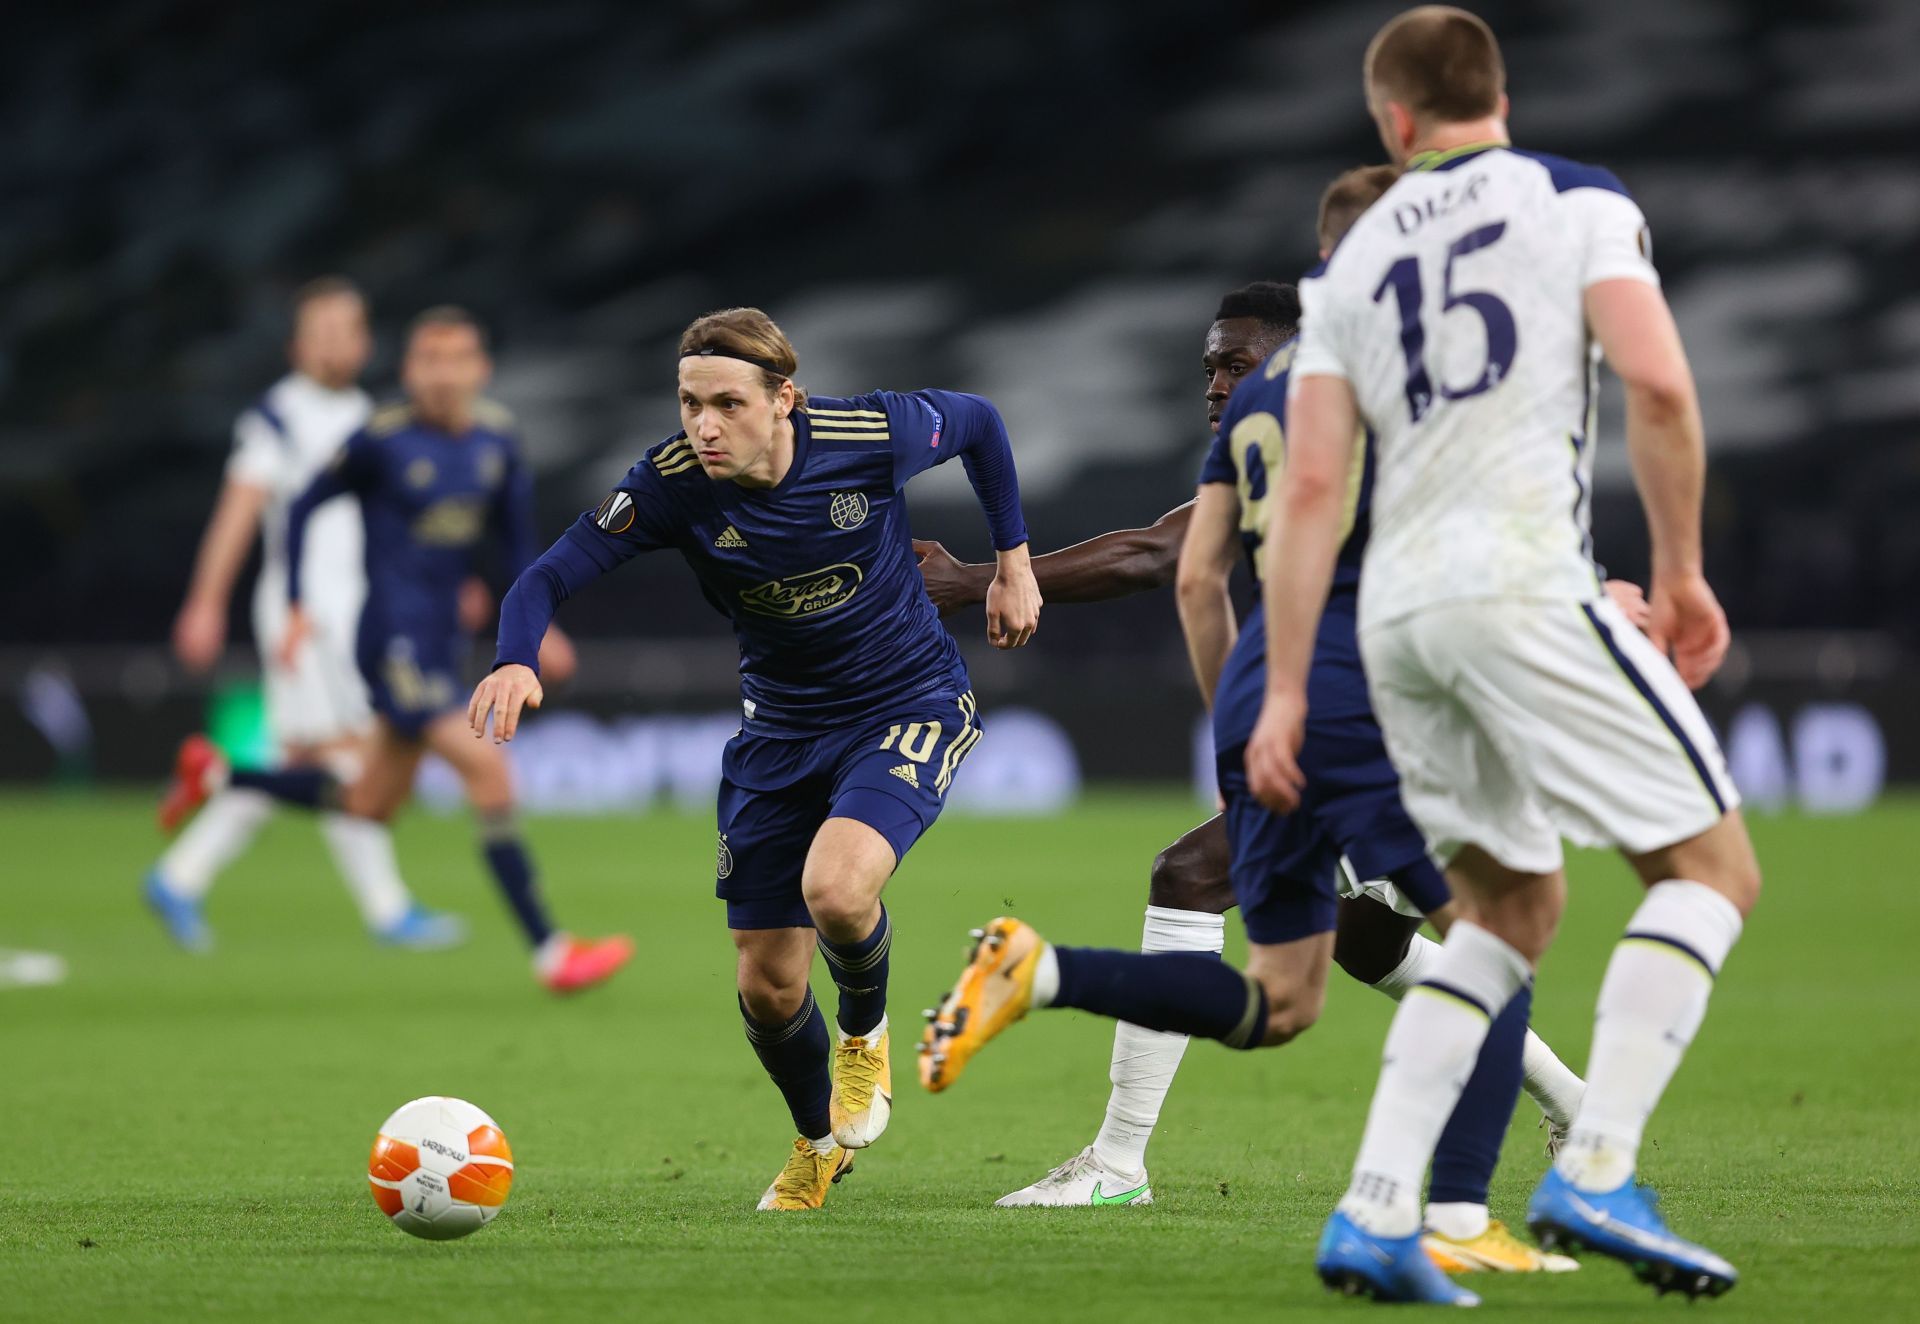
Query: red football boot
{"x": 196, "y": 772}
{"x": 577, "y": 963}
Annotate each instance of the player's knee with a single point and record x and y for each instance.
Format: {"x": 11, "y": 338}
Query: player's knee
{"x": 1290, "y": 1016}
{"x": 358, "y": 800}
{"x": 838, "y": 903}
{"x": 767, "y": 998}
{"x": 1181, "y": 880}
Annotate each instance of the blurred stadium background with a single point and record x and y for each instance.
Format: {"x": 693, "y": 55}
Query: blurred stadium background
{"x": 1040, "y": 201}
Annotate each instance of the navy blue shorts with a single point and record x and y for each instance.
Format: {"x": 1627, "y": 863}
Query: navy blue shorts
{"x": 411, "y": 679}
{"x": 1284, "y": 866}
{"x": 891, "y": 774}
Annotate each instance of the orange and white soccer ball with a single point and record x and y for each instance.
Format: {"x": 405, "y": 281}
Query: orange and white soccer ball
{"x": 440, "y": 1168}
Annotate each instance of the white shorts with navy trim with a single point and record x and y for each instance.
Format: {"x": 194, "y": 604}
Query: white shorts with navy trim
{"x": 1517, "y": 722}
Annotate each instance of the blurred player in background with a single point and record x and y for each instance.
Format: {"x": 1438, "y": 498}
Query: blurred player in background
{"x": 316, "y": 704}
{"x": 433, "y": 477}
{"x": 855, "y": 700}
{"x": 1463, "y": 319}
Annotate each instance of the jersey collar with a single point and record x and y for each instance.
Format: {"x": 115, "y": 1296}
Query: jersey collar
{"x": 1448, "y": 158}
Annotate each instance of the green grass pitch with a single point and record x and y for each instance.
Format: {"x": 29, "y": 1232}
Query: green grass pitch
{"x": 186, "y": 1138}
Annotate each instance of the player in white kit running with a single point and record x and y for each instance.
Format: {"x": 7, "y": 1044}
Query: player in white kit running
{"x": 1463, "y": 319}
{"x": 317, "y": 707}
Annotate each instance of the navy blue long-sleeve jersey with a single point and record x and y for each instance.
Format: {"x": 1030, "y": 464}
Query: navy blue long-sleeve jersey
{"x": 817, "y": 573}
{"x": 1249, "y": 453}
{"x": 428, "y": 499}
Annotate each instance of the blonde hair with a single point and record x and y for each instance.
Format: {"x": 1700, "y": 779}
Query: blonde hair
{"x": 1348, "y": 198}
{"x": 1441, "y": 63}
{"x": 750, "y": 334}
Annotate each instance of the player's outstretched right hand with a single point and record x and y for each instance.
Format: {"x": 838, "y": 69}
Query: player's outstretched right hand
{"x": 503, "y": 694}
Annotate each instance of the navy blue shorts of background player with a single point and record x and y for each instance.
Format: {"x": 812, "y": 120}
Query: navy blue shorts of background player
{"x": 892, "y": 774}
{"x": 411, "y": 679}
{"x": 1284, "y": 865}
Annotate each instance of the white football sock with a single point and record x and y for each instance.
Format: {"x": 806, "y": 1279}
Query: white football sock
{"x": 1460, "y": 1221}
{"x": 363, "y": 853}
{"x": 1422, "y": 955}
{"x": 218, "y": 833}
{"x": 1046, "y": 977}
{"x": 1430, "y": 1052}
{"x": 1550, "y": 1082}
{"x": 1144, "y": 1061}
{"x": 1651, "y": 1002}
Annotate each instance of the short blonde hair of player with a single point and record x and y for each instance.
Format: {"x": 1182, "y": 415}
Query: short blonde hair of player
{"x": 1347, "y": 198}
{"x": 747, "y": 331}
{"x": 1441, "y": 64}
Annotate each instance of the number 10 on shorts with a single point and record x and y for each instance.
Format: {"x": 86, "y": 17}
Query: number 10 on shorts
{"x": 914, "y": 740}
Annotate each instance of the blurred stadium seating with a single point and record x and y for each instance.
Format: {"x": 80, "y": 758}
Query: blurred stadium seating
{"x": 1039, "y": 201}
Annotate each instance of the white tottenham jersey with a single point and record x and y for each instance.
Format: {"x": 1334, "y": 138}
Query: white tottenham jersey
{"x": 1454, "y": 309}
{"x": 279, "y": 443}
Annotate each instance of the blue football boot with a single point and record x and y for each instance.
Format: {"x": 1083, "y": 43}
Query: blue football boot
{"x": 423, "y": 930}
{"x": 181, "y": 917}
{"x": 1625, "y": 1224}
{"x": 1356, "y": 1262}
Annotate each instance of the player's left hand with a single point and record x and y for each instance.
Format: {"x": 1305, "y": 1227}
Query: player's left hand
{"x": 558, "y": 660}
{"x": 1273, "y": 769}
{"x": 503, "y": 694}
{"x": 1631, "y": 601}
{"x": 1687, "y": 623}
{"x": 1013, "y": 600}
{"x": 476, "y": 604}
{"x": 951, "y": 582}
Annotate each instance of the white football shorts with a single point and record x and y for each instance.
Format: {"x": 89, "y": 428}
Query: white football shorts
{"x": 322, "y": 697}
{"x": 1517, "y": 722}
{"x": 1352, "y": 887}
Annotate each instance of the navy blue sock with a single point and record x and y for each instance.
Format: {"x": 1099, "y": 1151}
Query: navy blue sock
{"x": 859, "y": 971}
{"x": 310, "y": 788}
{"x": 1188, "y": 992}
{"x": 1469, "y": 1147}
{"x": 513, "y": 873}
{"x": 795, "y": 1055}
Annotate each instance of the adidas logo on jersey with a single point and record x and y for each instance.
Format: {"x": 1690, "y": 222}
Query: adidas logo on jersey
{"x": 729, "y": 539}
{"x": 906, "y": 774}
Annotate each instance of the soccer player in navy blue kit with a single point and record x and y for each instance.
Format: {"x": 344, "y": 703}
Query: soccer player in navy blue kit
{"x": 855, "y": 704}
{"x": 434, "y": 476}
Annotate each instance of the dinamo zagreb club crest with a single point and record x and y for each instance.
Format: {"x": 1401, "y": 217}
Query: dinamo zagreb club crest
{"x": 723, "y": 859}
{"x": 848, "y": 510}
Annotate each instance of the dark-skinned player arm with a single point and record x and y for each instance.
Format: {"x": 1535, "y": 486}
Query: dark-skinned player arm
{"x": 1111, "y": 565}
{"x": 354, "y": 469}
{"x": 636, "y": 517}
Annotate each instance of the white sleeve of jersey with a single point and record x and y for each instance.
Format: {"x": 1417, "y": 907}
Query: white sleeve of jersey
{"x": 1615, "y": 241}
{"x": 1320, "y": 352}
{"x": 259, "y": 453}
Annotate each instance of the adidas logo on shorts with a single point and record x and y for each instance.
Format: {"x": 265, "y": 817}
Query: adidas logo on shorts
{"x": 729, "y": 539}
{"x": 906, "y": 774}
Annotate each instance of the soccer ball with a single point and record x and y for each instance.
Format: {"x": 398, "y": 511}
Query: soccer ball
{"x": 440, "y": 1168}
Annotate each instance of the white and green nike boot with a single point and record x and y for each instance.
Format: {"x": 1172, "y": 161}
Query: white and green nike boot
{"x": 1082, "y": 1180}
